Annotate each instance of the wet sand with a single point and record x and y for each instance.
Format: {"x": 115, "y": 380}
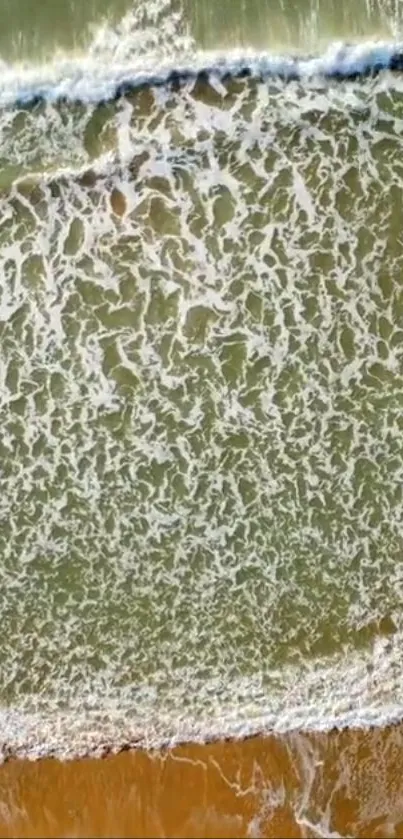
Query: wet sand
{"x": 347, "y": 783}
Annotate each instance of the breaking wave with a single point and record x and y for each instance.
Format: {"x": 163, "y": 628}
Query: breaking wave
{"x": 89, "y": 80}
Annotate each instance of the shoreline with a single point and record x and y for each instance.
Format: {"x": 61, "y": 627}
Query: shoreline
{"x": 105, "y": 751}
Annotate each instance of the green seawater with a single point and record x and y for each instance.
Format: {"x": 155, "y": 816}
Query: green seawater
{"x": 201, "y": 381}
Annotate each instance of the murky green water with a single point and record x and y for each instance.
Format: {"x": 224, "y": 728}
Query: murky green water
{"x": 35, "y": 29}
{"x": 201, "y": 383}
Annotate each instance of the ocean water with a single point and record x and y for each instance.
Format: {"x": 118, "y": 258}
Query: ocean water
{"x": 201, "y": 380}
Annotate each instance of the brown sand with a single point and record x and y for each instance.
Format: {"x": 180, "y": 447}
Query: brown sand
{"x": 341, "y": 783}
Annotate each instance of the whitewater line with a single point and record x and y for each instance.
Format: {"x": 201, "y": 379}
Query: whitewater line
{"x": 87, "y": 80}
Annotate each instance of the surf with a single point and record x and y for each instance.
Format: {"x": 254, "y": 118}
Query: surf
{"x": 91, "y": 81}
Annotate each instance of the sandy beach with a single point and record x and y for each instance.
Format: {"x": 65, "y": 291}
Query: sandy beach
{"x": 346, "y": 783}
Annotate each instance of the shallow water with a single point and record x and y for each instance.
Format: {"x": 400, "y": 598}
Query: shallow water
{"x": 200, "y": 373}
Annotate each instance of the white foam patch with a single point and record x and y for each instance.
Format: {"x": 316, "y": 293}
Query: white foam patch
{"x": 343, "y": 692}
